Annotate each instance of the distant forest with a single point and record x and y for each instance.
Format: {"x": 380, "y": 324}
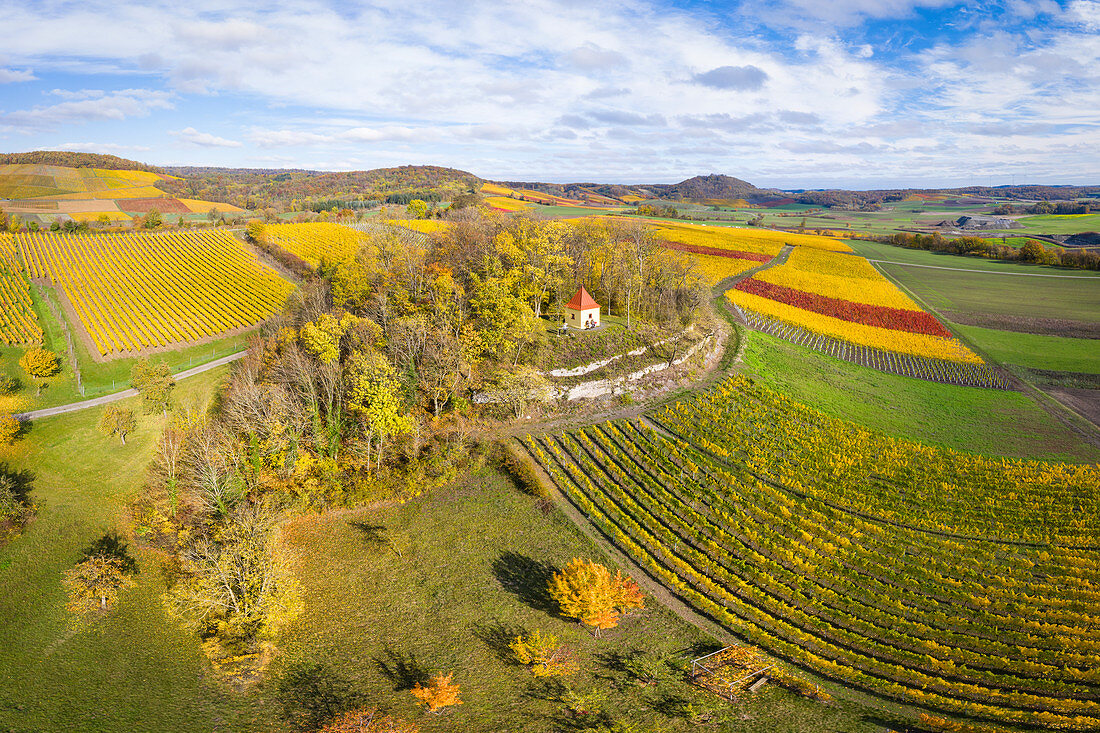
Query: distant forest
{"x": 67, "y": 159}
{"x": 308, "y": 190}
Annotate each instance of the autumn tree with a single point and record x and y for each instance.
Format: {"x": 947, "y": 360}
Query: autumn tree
{"x": 375, "y": 394}
{"x": 417, "y": 209}
{"x": 9, "y": 429}
{"x": 152, "y": 220}
{"x": 544, "y": 654}
{"x": 116, "y": 421}
{"x": 154, "y": 383}
{"x": 93, "y": 584}
{"x": 587, "y": 591}
{"x": 40, "y": 364}
{"x": 13, "y": 504}
{"x": 440, "y": 692}
{"x": 365, "y": 720}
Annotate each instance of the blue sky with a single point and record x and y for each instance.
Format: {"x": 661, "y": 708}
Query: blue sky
{"x": 786, "y": 93}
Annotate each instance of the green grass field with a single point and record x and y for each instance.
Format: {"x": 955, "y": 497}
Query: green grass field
{"x": 438, "y": 583}
{"x": 138, "y": 670}
{"x": 1036, "y": 351}
{"x": 891, "y": 253}
{"x": 1060, "y": 223}
{"x": 1053, "y": 305}
{"x": 991, "y": 422}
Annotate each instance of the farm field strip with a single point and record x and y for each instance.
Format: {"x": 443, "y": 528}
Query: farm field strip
{"x": 881, "y": 563}
{"x": 754, "y": 241}
{"x": 18, "y": 321}
{"x": 133, "y": 291}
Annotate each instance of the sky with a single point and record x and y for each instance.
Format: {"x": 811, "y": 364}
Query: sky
{"x": 782, "y": 93}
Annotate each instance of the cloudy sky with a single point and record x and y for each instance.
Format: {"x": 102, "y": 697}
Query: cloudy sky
{"x": 787, "y": 93}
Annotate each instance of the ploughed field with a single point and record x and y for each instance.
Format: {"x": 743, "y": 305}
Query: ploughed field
{"x": 926, "y": 576}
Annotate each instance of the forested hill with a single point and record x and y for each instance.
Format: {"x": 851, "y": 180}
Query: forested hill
{"x": 68, "y": 159}
{"x": 253, "y": 189}
{"x": 713, "y": 187}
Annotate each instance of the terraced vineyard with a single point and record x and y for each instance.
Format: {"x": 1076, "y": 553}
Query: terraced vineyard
{"x": 944, "y": 580}
{"x": 315, "y": 243}
{"x": 18, "y": 322}
{"x": 137, "y": 291}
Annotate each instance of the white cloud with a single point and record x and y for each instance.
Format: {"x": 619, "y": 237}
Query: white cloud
{"x": 117, "y": 105}
{"x": 204, "y": 139}
{"x": 109, "y": 148}
{"x": 8, "y": 76}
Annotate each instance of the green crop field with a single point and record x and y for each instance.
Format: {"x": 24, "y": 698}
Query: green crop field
{"x": 891, "y": 253}
{"x": 1067, "y": 306}
{"x": 1036, "y": 351}
{"x": 1060, "y": 223}
{"x": 992, "y": 422}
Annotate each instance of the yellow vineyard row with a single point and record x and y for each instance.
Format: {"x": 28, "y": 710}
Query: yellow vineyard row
{"x": 18, "y": 322}
{"x": 134, "y": 291}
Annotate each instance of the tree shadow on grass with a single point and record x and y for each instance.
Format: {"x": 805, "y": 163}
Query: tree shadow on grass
{"x": 403, "y": 671}
{"x": 527, "y": 579}
{"x": 312, "y": 694}
{"x": 372, "y": 534}
{"x": 499, "y": 636}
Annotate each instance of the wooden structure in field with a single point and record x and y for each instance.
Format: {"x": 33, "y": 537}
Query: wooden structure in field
{"x": 582, "y": 311}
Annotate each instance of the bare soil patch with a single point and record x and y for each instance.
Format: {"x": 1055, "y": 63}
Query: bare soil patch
{"x": 1086, "y": 402}
{"x": 1026, "y": 324}
{"x": 163, "y": 205}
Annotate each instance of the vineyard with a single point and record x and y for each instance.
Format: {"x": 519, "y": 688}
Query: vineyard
{"x": 906, "y": 365}
{"x": 843, "y": 298}
{"x": 750, "y": 241}
{"x": 925, "y": 576}
{"x": 138, "y": 291}
{"x": 315, "y": 243}
{"x": 18, "y": 322}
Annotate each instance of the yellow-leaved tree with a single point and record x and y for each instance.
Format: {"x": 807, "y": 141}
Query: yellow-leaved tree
{"x": 544, "y": 654}
{"x": 40, "y": 364}
{"x": 440, "y": 692}
{"x": 9, "y": 429}
{"x": 587, "y": 591}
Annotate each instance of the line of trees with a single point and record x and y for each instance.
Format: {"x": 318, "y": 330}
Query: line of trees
{"x": 1031, "y": 251}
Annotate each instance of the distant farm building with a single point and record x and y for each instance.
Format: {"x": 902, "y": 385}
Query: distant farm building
{"x": 582, "y": 311}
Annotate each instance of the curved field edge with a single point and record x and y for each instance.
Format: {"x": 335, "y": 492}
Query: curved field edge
{"x": 989, "y": 422}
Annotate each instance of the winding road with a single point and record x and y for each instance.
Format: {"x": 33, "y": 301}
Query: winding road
{"x": 116, "y": 396}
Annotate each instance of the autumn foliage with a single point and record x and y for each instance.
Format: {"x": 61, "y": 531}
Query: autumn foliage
{"x": 587, "y": 591}
{"x": 543, "y": 654}
{"x": 40, "y": 363}
{"x": 9, "y": 429}
{"x": 440, "y": 692}
{"x": 369, "y": 721}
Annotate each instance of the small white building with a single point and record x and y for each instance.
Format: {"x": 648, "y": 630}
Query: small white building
{"x": 582, "y": 311}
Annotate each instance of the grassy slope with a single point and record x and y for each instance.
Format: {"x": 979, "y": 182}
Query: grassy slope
{"x": 1060, "y": 223}
{"x": 443, "y": 603}
{"x": 469, "y": 575}
{"x": 991, "y": 422}
{"x": 136, "y": 671}
{"x": 1036, "y": 351}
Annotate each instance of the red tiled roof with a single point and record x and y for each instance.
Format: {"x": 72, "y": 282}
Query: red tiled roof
{"x": 582, "y": 301}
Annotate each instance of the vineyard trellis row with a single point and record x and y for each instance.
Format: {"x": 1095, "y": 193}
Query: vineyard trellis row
{"x": 136, "y": 291}
{"x": 892, "y": 362}
{"x": 18, "y": 320}
{"x": 967, "y": 584}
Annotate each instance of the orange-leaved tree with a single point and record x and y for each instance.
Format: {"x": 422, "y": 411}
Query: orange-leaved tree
{"x": 587, "y": 591}
{"x": 439, "y": 693}
{"x": 544, "y": 654}
{"x": 366, "y": 720}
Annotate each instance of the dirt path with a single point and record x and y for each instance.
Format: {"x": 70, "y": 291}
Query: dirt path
{"x": 116, "y": 396}
{"x": 730, "y": 282}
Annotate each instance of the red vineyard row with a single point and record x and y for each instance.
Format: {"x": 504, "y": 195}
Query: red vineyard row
{"x": 701, "y": 250}
{"x": 895, "y": 319}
